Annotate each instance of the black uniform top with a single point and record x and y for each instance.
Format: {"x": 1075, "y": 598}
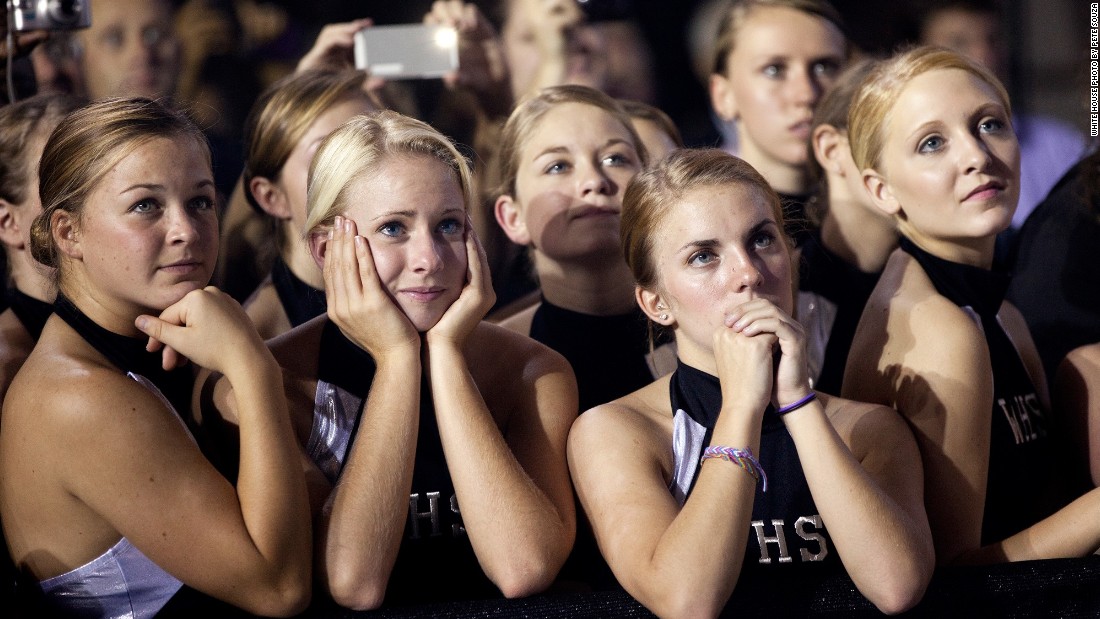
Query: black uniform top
{"x": 300, "y": 301}
{"x": 436, "y": 561}
{"x": 831, "y": 279}
{"x": 608, "y": 353}
{"x": 1019, "y": 489}
{"x": 30, "y": 311}
{"x": 787, "y": 536}
{"x": 1055, "y": 280}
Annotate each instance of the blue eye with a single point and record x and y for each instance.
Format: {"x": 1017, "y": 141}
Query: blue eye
{"x": 825, "y": 68}
{"x": 775, "y": 70}
{"x": 202, "y": 203}
{"x": 391, "y": 228}
{"x": 991, "y": 125}
{"x": 147, "y": 205}
{"x": 557, "y": 167}
{"x": 763, "y": 240}
{"x": 616, "y": 160}
{"x": 702, "y": 258}
{"x": 451, "y": 227}
{"x": 930, "y": 145}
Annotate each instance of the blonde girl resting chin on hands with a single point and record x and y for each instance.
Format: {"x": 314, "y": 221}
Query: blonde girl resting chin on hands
{"x": 436, "y": 441}
{"x": 763, "y": 479}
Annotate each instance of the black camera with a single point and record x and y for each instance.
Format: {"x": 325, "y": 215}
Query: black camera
{"x": 49, "y": 14}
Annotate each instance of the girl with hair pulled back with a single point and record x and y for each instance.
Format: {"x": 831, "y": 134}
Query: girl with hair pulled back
{"x": 106, "y": 498}
{"x": 931, "y": 133}
{"x": 689, "y": 481}
{"x": 436, "y": 441}
{"x": 843, "y": 257}
{"x": 773, "y": 60}
{"x": 567, "y": 155}
{"x": 282, "y": 133}
{"x": 24, "y": 127}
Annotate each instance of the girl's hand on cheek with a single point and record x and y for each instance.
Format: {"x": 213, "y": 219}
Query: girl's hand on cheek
{"x": 473, "y": 303}
{"x": 357, "y": 302}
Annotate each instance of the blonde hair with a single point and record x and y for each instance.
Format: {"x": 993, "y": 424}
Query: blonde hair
{"x": 869, "y": 113}
{"x": 525, "y": 118}
{"x": 738, "y": 13}
{"x": 85, "y": 146}
{"x": 358, "y": 147}
{"x": 654, "y": 192}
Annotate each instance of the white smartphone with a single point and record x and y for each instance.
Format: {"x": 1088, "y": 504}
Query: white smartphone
{"x": 407, "y": 51}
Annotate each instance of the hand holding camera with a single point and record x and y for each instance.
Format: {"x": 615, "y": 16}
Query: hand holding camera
{"x": 333, "y": 47}
{"x": 482, "y": 67}
{"x": 27, "y": 15}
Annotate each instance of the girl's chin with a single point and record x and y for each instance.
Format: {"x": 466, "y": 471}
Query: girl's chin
{"x": 423, "y": 324}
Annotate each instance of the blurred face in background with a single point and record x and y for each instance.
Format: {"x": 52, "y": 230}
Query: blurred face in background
{"x": 782, "y": 62}
{"x": 538, "y": 34}
{"x": 130, "y": 49}
{"x": 57, "y": 67}
{"x": 975, "y": 35}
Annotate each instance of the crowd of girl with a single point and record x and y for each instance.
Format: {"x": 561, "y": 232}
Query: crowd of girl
{"x": 676, "y": 403}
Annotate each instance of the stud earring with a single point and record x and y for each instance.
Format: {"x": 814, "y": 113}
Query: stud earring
{"x": 664, "y": 316}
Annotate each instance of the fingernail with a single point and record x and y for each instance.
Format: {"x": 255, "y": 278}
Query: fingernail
{"x": 141, "y": 322}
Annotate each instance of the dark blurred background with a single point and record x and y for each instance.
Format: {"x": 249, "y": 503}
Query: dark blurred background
{"x": 1048, "y": 43}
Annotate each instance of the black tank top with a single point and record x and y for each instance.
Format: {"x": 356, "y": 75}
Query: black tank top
{"x": 436, "y": 561}
{"x": 300, "y": 301}
{"x": 129, "y": 355}
{"x": 30, "y": 311}
{"x": 831, "y": 279}
{"x": 787, "y": 537}
{"x": 1019, "y": 488}
{"x": 608, "y": 353}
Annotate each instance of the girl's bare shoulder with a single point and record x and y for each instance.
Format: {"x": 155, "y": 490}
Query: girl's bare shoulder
{"x": 645, "y": 414}
{"x": 912, "y": 314}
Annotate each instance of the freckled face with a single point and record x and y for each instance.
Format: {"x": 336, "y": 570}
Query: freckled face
{"x": 782, "y": 62}
{"x": 950, "y": 158}
{"x": 574, "y": 168}
{"x": 148, "y": 233}
{"x": 412, "y": 213}
{"x": 718, "y": 247}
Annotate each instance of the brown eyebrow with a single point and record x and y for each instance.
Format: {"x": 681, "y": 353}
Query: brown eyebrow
{"x": 563, "y": 149}
{"x": 710, "y": 243}
{"x": 156, "y": 187}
